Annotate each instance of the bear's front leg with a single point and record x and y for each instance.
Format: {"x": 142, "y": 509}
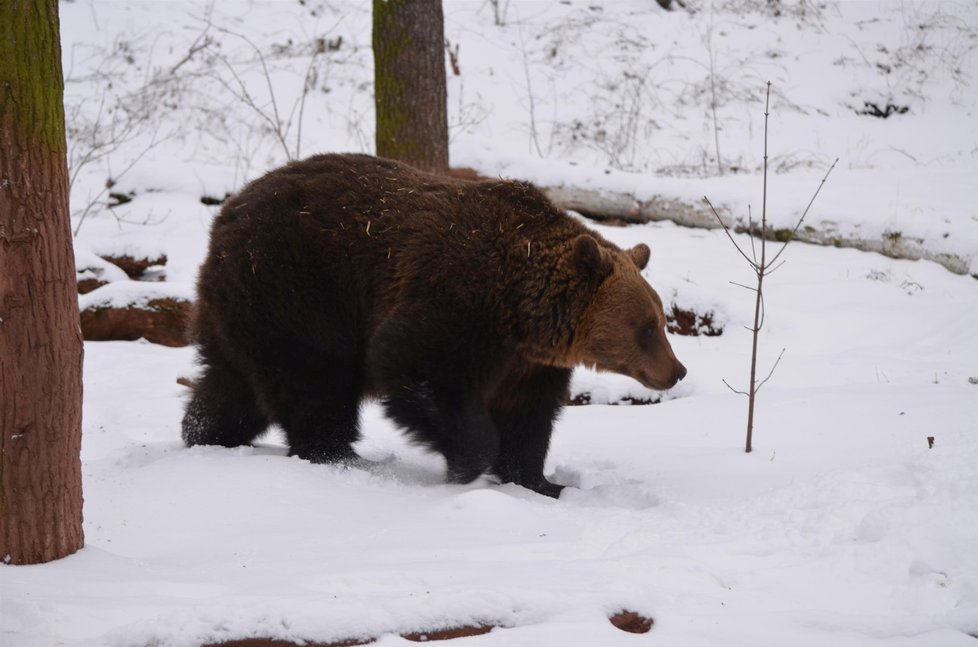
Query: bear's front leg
{"x": 523, "y": 409}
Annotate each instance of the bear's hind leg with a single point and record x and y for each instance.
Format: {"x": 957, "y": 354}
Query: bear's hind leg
{"x": 316, "y": 400}
{"x": 322, "y": 428}
{"x": 523, "y": 410}
{"x": 223, "y": 410}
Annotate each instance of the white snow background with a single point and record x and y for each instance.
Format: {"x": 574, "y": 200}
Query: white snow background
{"x": 841, "y": 528}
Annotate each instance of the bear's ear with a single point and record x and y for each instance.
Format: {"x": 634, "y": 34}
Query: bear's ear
{"x": 590, "y": 258}
{"x": 640, "y": 255}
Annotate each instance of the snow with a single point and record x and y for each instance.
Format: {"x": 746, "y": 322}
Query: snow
{"x": 842, "y": 527}
{"x": 125, "y": 293}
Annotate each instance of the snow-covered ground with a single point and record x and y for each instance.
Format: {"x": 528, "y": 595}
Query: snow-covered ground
{"x": 843, "y": 527}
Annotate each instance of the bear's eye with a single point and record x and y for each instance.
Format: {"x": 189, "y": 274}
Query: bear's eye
{"x": 646, "y": 335}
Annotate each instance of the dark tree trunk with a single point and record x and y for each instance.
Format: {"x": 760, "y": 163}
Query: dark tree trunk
{"x": 409, "y": 82}
{"x": 40, "y": 339}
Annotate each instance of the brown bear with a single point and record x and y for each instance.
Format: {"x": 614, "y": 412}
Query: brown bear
{"x": 462, "y": 305}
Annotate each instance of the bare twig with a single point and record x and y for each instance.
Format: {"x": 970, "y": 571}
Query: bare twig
{"x": 713, "y": 94}
{"x": 733, "y": 389}
{"x": 202, "y": 42}
{"x": 741, "y": 285}
{"x": 534, "y": 139}
{"x": 726, "y": 230}
{"x": 805, "y": 212}
{"x": 306, "y": 89}
{"x": 775, "y": 268}
{"x": 771, "y": 372}
{"x": 760, "y": 323}
{"x": 750, "y": 228}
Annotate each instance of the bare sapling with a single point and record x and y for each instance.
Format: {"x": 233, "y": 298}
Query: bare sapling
{"x": 762, "y": 267}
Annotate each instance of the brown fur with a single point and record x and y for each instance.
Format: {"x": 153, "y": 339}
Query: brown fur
{"x": 462, "y": 305}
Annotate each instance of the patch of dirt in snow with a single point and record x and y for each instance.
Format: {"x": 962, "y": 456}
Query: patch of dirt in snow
{"x": 628, "y": 621}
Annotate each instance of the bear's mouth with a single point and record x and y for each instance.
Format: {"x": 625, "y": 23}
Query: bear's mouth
{"x": 659, "y": 385}
{"x": 642, "y": 377}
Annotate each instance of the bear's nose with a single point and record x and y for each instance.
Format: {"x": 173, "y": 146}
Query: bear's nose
{"x": 681, "y": 373}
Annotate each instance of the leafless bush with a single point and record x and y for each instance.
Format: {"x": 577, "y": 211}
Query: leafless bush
{"x": 807, "y": 12}
{"x": 932, "y": 42}
{"x": 103, "y": 132}
{"x": 618, "y": 119}
{"x": 262, "y": 103}
{"x": 467, "y": 115}
{"x": 246, "y": 112}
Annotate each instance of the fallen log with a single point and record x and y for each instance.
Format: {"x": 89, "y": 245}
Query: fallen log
{"x": 623, "y": 208}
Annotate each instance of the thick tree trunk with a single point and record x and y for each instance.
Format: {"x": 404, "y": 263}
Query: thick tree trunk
{"x": 409, "y": 82}
{"x": 40, "y": 338}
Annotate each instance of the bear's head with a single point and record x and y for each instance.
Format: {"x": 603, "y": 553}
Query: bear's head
{"x": 623, "y": 328}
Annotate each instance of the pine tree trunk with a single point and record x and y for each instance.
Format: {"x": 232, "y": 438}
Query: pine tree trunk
{"x": 409, "y": 82}
{"x": 40, "y": 338}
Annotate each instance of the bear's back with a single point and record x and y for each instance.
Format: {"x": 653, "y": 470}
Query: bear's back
{"x": 349, "y": 236}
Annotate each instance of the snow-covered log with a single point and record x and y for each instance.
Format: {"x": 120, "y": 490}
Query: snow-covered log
{"x": 617, "y": 206}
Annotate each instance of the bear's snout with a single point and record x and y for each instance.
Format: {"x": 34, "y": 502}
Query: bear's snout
{"x": 677, "y": 375}
{"x": 663, "y": 381}
{"x": 680, "y": 373}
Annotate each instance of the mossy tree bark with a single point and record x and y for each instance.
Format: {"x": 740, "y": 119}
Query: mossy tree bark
{"x": 40, "y": 338}
{"x": 409, "y": 82}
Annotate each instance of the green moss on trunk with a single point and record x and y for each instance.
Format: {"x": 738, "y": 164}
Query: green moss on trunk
{"x": 410, "y": 83}
{"x": 31, "y": 84}
{"x": 390, "y": 39}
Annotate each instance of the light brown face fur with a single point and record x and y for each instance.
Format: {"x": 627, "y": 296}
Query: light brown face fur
{"x": 624, "y": 328}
